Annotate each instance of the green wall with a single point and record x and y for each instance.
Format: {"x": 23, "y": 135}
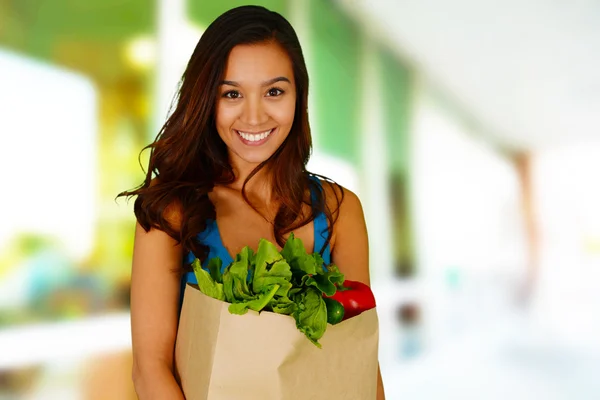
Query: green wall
{"x": 205, "y": 11}
{"x": 335, "y": 80}
{"x": 34, "y": 27}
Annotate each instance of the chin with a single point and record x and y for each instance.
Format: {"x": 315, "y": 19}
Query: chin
{"x": 255, "y": 159}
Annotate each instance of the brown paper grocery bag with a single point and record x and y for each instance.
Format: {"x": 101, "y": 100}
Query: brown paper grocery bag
{"x": 220, "y": 356}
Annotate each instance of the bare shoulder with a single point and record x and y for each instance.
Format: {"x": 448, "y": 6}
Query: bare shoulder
{"x": 343, "y": 202}
{"x": 156, "y": 252}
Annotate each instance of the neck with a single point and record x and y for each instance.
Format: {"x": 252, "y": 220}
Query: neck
{"x": 259, "y": 188}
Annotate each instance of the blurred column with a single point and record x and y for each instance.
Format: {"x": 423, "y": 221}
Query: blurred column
{"x": 396, "y": 78}
{"x": 171, "y": 16}
{"x": 375, "y": 172}
{"x": 176, "y": 41}
{"x": 523, "y": 163}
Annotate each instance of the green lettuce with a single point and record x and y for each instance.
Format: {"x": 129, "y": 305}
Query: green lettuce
{"x": 257, "y": 304}
{"x": 235, "y": 278}
{"x": 214, "y": 268}
{"x": 326, "y": 281}
{"x": 291, "y": 282}
{"x": 206, "y": 284}
{"x": 300, "y": 262}
{"x": 270, "y": 269}
{"x": 282, "y": 305}
{"x": 311, "y": 314}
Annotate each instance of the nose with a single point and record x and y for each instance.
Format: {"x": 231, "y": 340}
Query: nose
{"x": 254, "y": 113}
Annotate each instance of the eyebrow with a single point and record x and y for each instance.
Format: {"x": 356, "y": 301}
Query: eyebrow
{"x": 265, "y": 83}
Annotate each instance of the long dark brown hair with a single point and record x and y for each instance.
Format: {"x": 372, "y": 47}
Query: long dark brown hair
{"x": 188, "y": 157}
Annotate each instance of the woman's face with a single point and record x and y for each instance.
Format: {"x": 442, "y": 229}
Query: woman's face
{"x": 256, "y": 102}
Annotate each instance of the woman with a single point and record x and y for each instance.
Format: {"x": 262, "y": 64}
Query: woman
{"x": 229, "y": 169}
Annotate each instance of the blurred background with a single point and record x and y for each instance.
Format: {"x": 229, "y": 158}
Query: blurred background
{"x": 469, "y": 129}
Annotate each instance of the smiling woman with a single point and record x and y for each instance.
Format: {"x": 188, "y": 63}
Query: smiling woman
{"x": 228, "y": 169}
{"x": 256, "y": 107}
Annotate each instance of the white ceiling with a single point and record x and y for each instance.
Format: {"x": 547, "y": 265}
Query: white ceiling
{"x": 529, "y": 71}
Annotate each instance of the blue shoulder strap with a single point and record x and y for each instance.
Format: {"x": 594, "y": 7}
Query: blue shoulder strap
{"x": 320, "y": 227}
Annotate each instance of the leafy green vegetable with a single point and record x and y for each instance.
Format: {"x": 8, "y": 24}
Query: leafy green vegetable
{"x": 270, "y": 269}
{"x": 326, "y": 282}
{"x": 294, "y": 253}
{"x": 311, "y": 315}
{"x": 257, "y": 304}
{"x": 206, "y": 284}
{"x": 214, "y": 268}
{"x": 235, "y": 279}
{"x": 290, "y": 282}
{"x": 319, "y": 261}
{"x": 282, "y": 305}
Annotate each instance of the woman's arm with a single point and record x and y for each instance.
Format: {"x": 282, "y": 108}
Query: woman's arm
{"x": 155, "y": 284}
{"x": 351, "y": 250}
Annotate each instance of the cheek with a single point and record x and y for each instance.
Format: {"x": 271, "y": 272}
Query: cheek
{"x": 224, "y": 118}
{"x": 284, "y": 112}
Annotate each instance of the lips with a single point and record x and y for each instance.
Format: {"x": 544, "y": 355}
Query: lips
{"x": 255, "y": 138}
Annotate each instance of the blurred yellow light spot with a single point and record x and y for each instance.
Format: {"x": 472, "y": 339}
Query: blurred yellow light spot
{"x": 140, "y": 52}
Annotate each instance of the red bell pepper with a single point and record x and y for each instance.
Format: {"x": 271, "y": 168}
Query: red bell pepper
{"x": 356, "y": 297}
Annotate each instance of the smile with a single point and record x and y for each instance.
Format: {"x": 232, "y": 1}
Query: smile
{"x": 256, "y": 138}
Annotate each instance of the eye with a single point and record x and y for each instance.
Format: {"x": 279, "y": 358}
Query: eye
{"x": 274, "y": 92}
{"x": 232, "y": 94}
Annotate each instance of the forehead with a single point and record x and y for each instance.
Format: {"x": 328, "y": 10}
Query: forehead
{"x": 255, "y": 63}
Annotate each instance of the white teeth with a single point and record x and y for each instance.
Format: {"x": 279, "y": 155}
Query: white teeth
{"x": 254, "y": 137}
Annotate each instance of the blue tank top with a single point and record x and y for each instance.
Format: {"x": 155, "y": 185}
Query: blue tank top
{"x": 211, "y": 237}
